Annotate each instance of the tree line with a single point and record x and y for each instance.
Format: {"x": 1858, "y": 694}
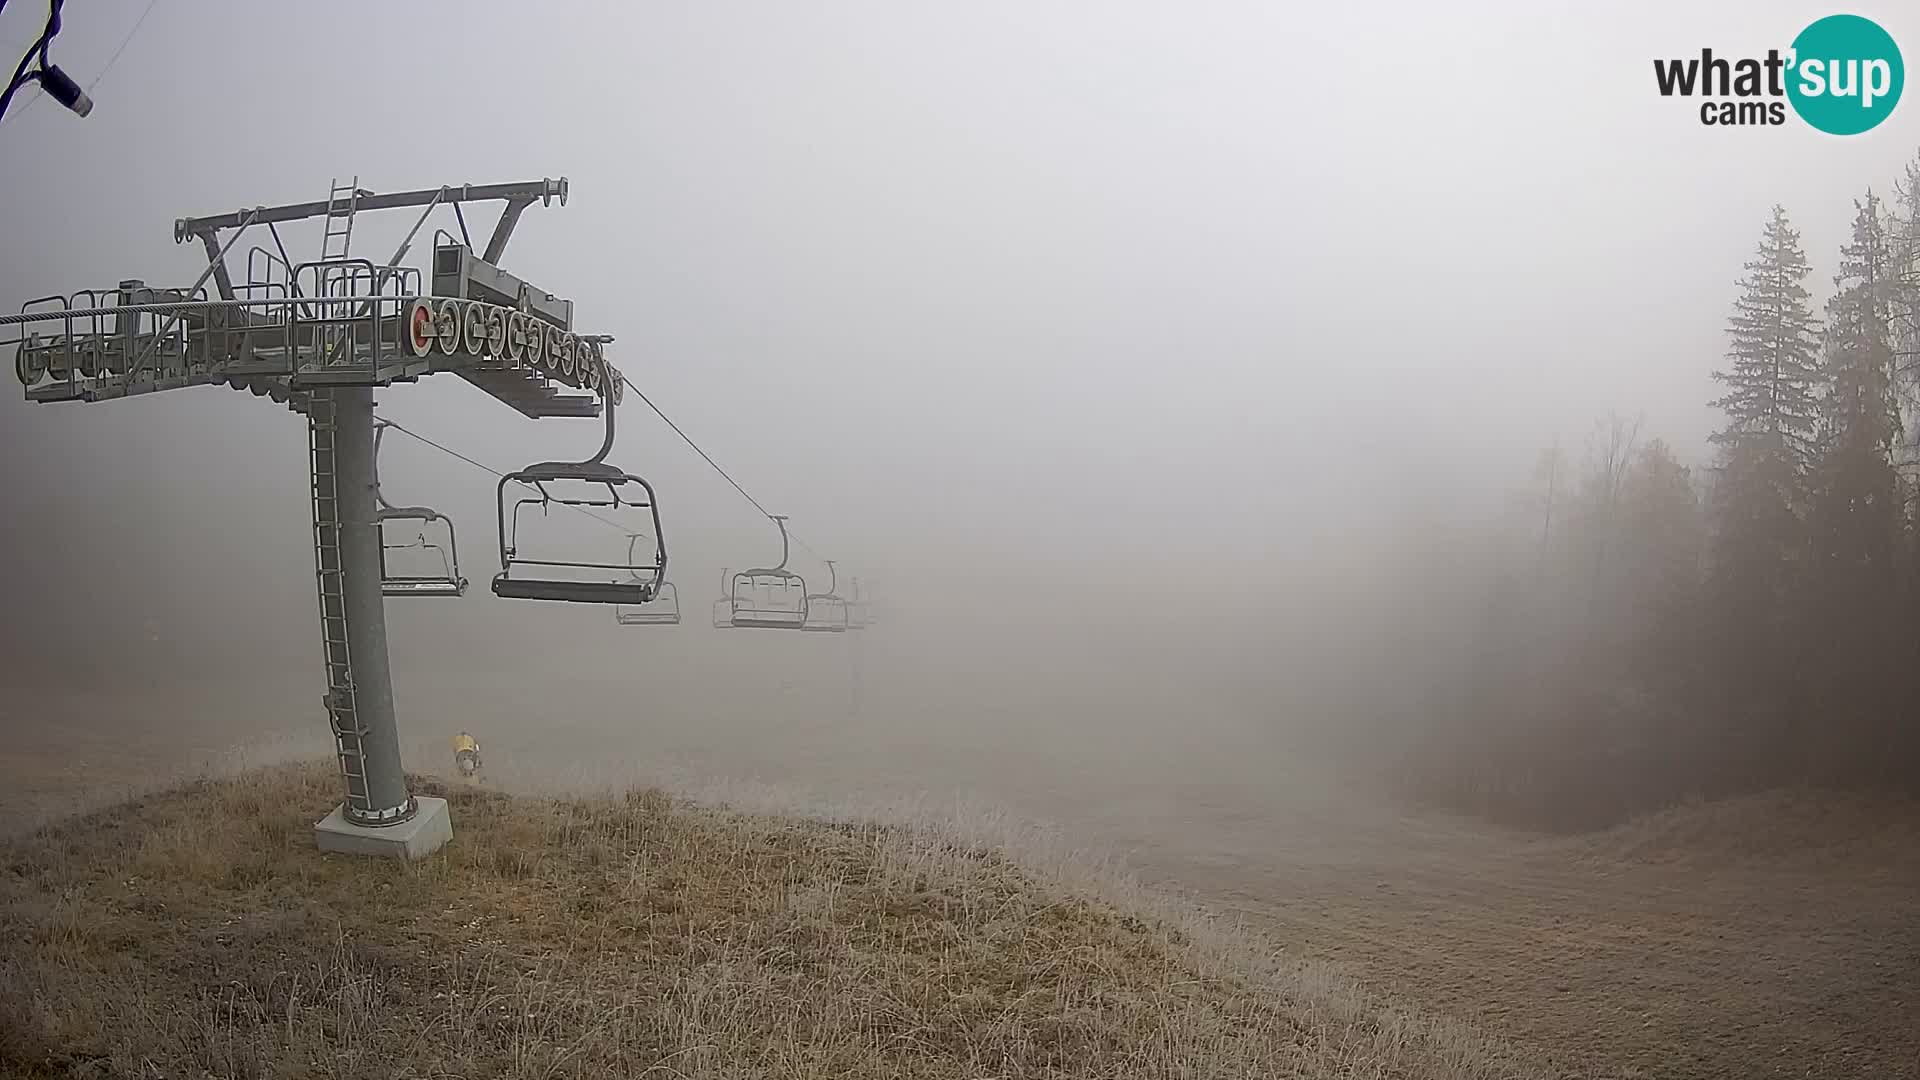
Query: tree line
{"x": 1657, "y": 631}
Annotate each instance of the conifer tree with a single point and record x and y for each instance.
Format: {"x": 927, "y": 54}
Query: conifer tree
{"x": 1904, "y": 232}
{"x": 1856, "y": 515}
{"x": 1773, "y": 354}
{"x": 1860, "y": 418}
{"x": 1759, "y": 543}
{"x": 1905, "y": 227}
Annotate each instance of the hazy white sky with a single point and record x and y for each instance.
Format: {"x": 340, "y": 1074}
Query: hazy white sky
{"x": 1124, "y": 284}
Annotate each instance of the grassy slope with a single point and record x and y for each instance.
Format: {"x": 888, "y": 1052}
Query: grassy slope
{"x": 198, "y": 931}
{"x": 1800, "y": 827}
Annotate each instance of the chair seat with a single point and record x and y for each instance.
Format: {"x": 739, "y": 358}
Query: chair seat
{"x": 766, "y": 620}
{"x": 422, "y": 587}
{"x": 626, "y": 618}
{"x": 577, "y": 592}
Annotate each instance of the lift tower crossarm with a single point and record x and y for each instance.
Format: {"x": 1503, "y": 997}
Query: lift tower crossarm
{"x": 497, "y": 243}
{"x": 217, "y": 263}
{"x": 522, "y": 194}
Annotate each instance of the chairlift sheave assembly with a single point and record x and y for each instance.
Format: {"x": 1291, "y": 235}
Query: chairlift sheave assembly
{"x": 662, "y": 610}
{"x": 448, "y": 581}
{"x": 764, "y": 598}
{"x": 628, "y": 582}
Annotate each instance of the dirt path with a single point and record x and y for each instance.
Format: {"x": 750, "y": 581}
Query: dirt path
{"x": 1612, "y": 968}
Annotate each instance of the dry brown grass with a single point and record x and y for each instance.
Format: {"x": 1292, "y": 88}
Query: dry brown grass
{"x": 198, "y": 932}
{"x": 1803, "y": 827}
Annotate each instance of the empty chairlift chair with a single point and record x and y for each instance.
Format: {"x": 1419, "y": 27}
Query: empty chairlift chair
{"x": 827, "y": 612}
{"x": 619, "y": 582}
{"x": 662, "y": 610}
{"x": 766, "y": 598}
{"x": 859, "y": 608}
{"x": 426, "y": 568}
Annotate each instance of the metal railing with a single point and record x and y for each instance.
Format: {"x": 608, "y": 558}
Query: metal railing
{"x": 271, "y": 327}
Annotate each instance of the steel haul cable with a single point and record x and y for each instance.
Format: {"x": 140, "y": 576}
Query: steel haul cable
{"x": 664, "y": 418}
{"x": 704, "y": 456}
{"x": 496, "y": 473}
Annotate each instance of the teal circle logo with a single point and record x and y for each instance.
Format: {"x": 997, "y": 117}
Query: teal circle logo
{"x": 1847, "y": 75}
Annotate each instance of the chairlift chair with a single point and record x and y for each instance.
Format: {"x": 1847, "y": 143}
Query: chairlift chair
{"x": 628, "y": 582}
{"x": 859, "y": 609}
{"x": 766, "y": 598}
{"x": 662, "y": 610}
{"x": 448, "y": 581}
{"x": 827, "y": 611}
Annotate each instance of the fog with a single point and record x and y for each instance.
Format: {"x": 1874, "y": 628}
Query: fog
{"x": 1123, "y": 350}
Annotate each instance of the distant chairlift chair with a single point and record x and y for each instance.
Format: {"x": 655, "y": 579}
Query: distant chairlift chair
{"x": 448, "y": 581}
{"x": 766, "y": 598}
{"x": 628, "y": 582}
{"x": 827, "y": 611}
{"x": 662, "y": 610}
{"x": 859, "y": 609}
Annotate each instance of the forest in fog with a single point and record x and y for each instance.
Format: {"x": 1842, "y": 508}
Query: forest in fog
{"x": 1652, "y": 630}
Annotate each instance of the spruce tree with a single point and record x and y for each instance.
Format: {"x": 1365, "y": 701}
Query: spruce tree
{"x": 1856, "y": 514}
{"x": 1860, "y": 417}
{"x": 1759, "y": 544}
{"x": 1904, "y": 229}
{"x": 1773, "y": 354}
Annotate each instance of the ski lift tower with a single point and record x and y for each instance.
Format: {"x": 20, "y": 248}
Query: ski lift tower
{"x": 318, "y": 336}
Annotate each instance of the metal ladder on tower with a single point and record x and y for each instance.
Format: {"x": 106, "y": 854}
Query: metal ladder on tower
{"x": 348, "y": 732}
{"x": 343, "y": 201}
